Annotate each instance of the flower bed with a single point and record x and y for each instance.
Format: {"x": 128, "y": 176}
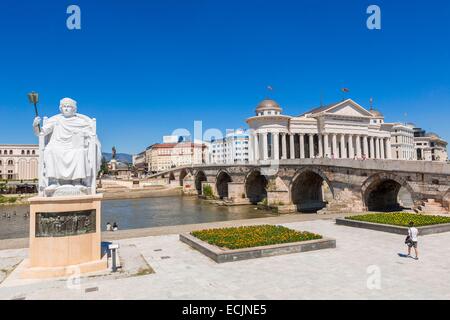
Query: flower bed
{"x": 252, "y": 236}
{"x": 401, "y": 219}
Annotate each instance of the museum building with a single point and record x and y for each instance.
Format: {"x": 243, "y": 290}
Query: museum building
{"x": 342, "y": 130}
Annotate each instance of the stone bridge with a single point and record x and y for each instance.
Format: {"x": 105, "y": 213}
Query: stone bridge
{"x": 322, "y": 185}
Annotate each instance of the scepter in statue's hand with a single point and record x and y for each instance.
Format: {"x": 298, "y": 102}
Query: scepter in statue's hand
{"x": 33, "y": 97}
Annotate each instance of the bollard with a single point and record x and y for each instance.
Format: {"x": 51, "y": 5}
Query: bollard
{"x": 113, "y": 247}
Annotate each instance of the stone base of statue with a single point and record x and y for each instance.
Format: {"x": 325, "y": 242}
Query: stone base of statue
{"x": 65, "y": 236}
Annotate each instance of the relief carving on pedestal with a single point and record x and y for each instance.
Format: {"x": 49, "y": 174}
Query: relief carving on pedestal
{"x": 62, "y": 224}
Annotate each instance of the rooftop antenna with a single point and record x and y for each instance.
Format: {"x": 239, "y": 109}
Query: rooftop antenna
{"x": 371, "y": 103}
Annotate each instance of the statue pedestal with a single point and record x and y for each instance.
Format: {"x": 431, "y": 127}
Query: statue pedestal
{"x": 65, "y": 236}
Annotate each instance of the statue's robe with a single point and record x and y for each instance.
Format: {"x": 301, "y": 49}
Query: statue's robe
{"x": 66, "y": 155}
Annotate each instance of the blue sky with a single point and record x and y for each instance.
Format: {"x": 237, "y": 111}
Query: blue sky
{"x": 145, "y": 68}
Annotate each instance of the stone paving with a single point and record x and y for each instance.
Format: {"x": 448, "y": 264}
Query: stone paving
{"x": 341, "y": 273}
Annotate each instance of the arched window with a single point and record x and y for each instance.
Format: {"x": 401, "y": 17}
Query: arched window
{"x": 10, "y": 152}
{"x": 1, "y": 162}
{"x": 10, "y": 162}
{"x": 28, "y": 151}
{"x": 23, "y": 151}
{"x": 33, "y": 152}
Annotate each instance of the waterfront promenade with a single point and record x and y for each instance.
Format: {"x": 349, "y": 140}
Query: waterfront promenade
{"x": 362, "y": 257}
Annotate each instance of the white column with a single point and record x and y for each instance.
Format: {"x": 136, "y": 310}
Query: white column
{"x": 292, "y": 146}
{"x": 302, "y": 146}
{"x": 366, "y": 147}
{"x": 343, "y": 147}
{"x": 382, "y": 146}
{"x": 372, "y": 148}
{"x": 265, "y": 147}
{"x": 326, "y": 146}
{"x": 388, "y": 149}
{"x": 311, "y": 145}
{"x": 320, "y": 145}
{"x": 250, "y": 148}
{"x": 256, "y": 147}
{"x": 377, "y": 148}
{"x": 351, "y": 150}
{"x": 335, "y": 148}
{"x": 358, "y": 147}
{"x": 283, "y": 146}
{"x": 276, "y": 145}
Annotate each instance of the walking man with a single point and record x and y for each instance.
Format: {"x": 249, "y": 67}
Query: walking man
{"x": 411, "y": 239}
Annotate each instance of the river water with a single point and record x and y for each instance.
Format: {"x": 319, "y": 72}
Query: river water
{"x": 139, "y": 213}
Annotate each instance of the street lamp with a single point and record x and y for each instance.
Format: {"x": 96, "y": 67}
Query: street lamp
{"x": 33, "y": 97}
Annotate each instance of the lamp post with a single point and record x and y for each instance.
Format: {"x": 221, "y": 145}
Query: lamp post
{"x": 33, "y": 97}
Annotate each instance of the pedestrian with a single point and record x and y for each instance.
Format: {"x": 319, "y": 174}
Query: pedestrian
{"x": 115, "y": 227}
{"x": 108, "y": 226}
{"x": 411, "y": 240}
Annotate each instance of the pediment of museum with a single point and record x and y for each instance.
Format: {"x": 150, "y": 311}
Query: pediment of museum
{"x": 349, "y": 109}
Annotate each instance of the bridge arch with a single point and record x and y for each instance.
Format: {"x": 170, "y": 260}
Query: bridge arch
{"x": 310, "y": 189}
{"x": 255, "y": 186}
{"x": 183, "y": 174}
{"x": 222, "y": 180}
{"x": 199, "y": 178}
{"x": 382, "y": 192}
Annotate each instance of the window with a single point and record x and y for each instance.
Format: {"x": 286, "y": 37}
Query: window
{"x": 10, "y": 163}
{"x": 33, "y": 152}
{"x": 10, "y": 152}
{"x": 28, "y": 152}
{"x": 23, "y": 151}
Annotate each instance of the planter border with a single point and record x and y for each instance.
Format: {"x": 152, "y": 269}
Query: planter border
{"x": 423, "y": 230}
{"x": 220, "y": 255}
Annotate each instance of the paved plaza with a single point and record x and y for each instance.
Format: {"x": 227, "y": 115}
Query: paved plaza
{"x": 365, "y": 265}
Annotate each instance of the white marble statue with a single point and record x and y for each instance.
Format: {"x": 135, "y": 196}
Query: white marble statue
{"x": 70, "y": 153}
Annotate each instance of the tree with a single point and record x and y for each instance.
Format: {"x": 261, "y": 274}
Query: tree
{"x": 104, "y": 166}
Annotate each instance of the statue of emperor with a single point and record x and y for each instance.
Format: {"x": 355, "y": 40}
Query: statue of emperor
{"x": 70, "y": 153}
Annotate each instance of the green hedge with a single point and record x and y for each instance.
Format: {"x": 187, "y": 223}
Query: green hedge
{"x": 252, "y": 236}
{"x": 4, "y": 199}
{"x": 401, "y": 219}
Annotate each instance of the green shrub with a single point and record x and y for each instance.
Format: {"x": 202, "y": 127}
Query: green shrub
{"x": 252, "y": 236}
{"x": 207, "y": 191}
{"x": 401, "y": 219}
{"x": 264, "y": 202}
{"x": 12, "y": 199}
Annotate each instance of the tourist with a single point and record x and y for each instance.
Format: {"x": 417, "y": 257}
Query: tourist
{"x": 115, "y": 227}
{"x": 411, "y": 239}
{"x": 108, "y": 227}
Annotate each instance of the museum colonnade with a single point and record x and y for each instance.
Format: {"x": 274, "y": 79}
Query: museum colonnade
{"x": 282, "y": 145}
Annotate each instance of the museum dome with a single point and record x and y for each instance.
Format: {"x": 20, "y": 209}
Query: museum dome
{"x": 268, "y": 105}
{"x": 432, "y": 135}
{"x": 376, "y": 113}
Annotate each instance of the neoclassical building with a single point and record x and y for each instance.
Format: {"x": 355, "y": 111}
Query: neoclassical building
{"x": 18, "y": 161}
{"x": 340, "y": 130}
